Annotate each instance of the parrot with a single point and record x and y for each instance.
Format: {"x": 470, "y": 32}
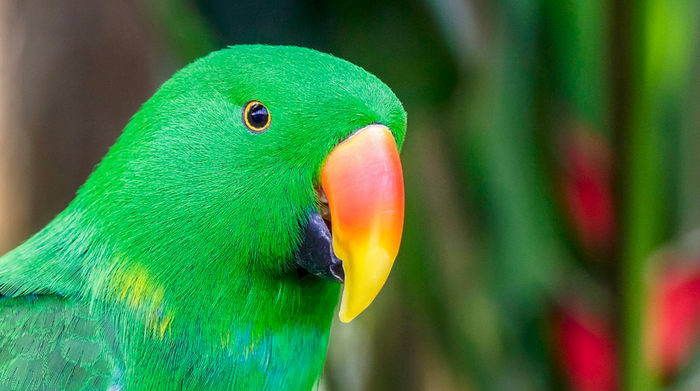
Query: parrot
{"x": 259, "y": 190}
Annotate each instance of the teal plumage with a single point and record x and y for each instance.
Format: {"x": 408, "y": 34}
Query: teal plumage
{"x": 49, "y": 343}
{"x": 172, "y": 268}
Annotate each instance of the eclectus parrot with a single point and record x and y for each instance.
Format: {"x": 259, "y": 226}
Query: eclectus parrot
{"x": 205, "y": 251}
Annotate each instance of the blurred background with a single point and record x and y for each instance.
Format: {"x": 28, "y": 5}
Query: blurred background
{"x": 553, "y": 201}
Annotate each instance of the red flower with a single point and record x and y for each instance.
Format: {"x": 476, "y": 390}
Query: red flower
{"x": 585, "y": 339}
{"x": 586, "y": 350}
{"x": 586, "y": 188}
{"x": 676, "y": 317}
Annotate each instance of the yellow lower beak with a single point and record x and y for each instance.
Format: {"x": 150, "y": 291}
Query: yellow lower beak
{"x": 363, "y": 181}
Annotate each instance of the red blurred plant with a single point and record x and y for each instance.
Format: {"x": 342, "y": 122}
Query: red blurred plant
{"x": 586, "y": 349}
{"x": 586, "y": 188}
{"x": 586, "y": 342}
{"x": 675, "y": 317}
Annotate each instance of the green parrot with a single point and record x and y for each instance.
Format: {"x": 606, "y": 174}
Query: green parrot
{"x": 206, "y": 250}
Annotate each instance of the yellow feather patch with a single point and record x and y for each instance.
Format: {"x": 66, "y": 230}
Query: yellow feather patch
{"x": 134, "y": 286}
{"x": 164, "y": 324}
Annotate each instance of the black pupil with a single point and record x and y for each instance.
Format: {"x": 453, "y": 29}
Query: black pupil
{"x": 257, "y": 115}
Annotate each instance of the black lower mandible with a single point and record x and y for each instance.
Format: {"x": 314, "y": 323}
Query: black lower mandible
{"x": 316, "y": 252}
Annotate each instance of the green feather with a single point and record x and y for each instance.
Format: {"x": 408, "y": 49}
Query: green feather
{"x": 49, "y": 343}
{"x": 173, "y": 266}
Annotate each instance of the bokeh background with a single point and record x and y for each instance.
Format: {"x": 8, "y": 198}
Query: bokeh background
{"x": 553, "y": 199}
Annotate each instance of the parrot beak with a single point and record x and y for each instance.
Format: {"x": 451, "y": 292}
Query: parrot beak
{"x": 362, "y": 182}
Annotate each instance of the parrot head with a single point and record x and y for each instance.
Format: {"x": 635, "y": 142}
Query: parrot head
{"x": 261, "y": 161}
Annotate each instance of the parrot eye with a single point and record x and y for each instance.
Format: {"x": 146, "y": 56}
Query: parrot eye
{"x": 256, "y": 116}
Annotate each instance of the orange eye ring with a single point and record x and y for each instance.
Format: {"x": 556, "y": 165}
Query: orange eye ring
{"x": 256, "y": 116}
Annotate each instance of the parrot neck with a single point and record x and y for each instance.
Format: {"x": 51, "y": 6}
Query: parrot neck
{"x": 251, "y": 342}
{"x": 209, "y": 323}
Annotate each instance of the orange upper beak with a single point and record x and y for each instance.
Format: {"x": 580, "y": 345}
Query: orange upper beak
{"x": 363, "y": 182}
